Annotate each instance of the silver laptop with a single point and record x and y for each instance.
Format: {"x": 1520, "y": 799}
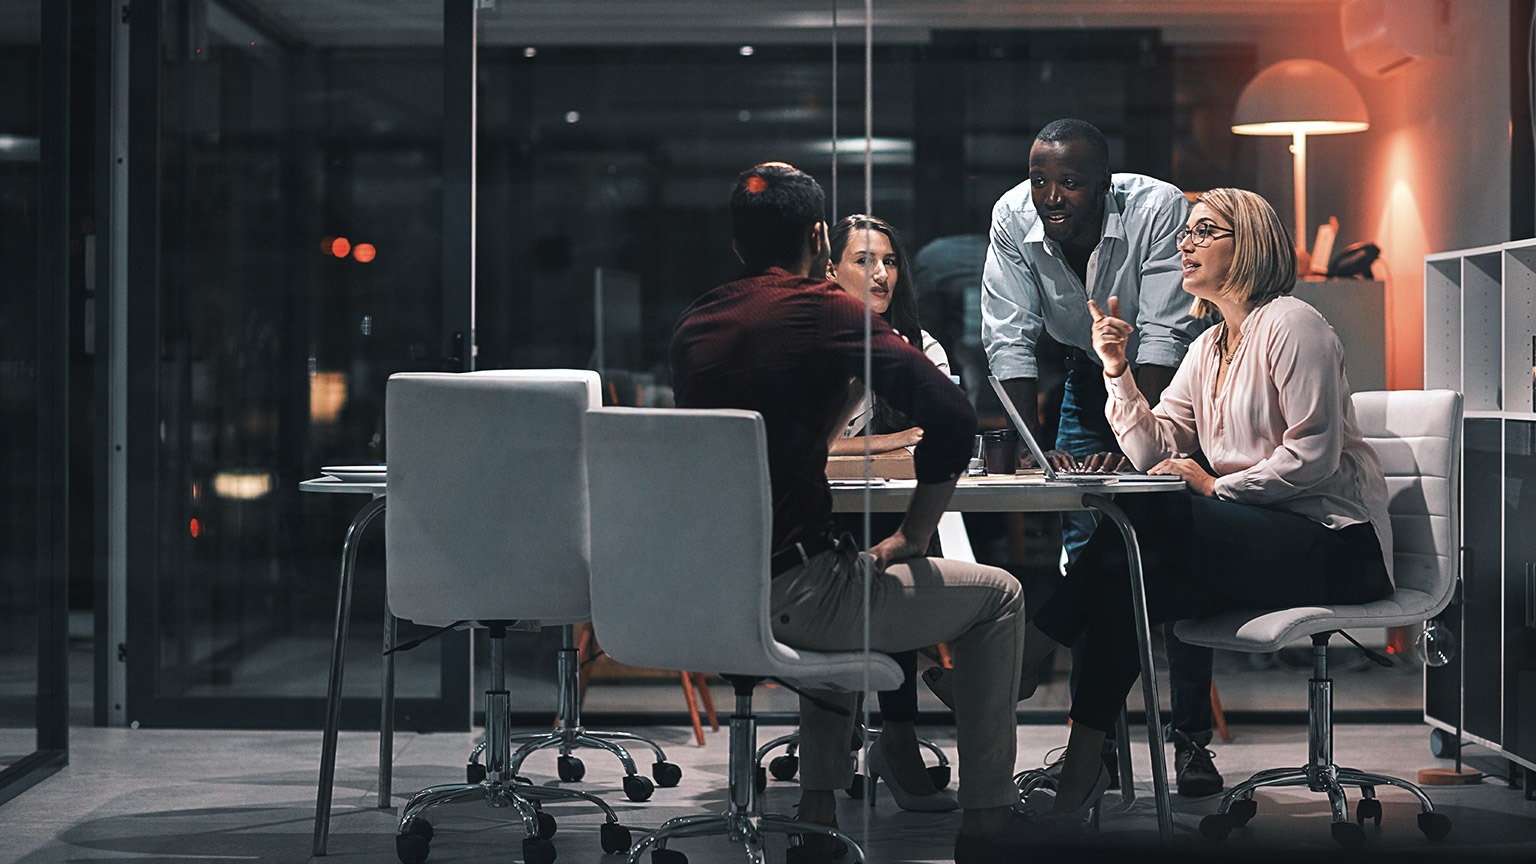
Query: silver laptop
{"x": 1084, "y": 478}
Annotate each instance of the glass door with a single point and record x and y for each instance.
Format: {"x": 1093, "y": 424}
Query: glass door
{"x": 33, "y": 257}
{"x": 287, "y": 185}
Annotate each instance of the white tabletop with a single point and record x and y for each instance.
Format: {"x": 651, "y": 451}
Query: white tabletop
{"x": 331, "y": 484}
{"x": 991, "y": 494}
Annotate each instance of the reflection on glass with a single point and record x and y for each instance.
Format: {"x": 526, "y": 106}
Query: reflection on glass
{"x": 19, "y": 398}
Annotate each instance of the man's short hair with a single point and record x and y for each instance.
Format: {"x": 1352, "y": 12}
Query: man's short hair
{"x": 1072, "y": 129}
{"x": 772, "y": 207}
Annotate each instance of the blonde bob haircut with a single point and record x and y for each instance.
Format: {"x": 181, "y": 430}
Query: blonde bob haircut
{"x": 1263, "y": 260}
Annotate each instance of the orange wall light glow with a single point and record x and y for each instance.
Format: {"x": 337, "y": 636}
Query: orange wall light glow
{"x": 364, "y": 252}
{"x": 340, "y": 247}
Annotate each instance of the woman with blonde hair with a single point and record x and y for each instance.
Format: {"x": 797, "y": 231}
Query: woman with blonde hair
{"x": 1287, "y": 507}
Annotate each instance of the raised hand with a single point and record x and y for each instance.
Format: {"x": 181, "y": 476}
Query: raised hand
{"x": 1109, "y": 336}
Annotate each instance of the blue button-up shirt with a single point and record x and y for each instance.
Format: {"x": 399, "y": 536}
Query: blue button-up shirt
{"x": 1028, "y": 283}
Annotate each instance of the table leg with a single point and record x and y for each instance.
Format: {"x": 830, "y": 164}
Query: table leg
{"x": 333, "y": 689}
{"x": 1148, "y": 670}
{"x": 387, "y": 714}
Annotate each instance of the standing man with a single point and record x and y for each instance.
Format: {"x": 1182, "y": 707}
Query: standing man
{"x": 787, "y": 343}
{"x": 1073, "y": 233}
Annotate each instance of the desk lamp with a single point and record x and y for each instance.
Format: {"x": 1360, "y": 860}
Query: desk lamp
{"x": 1299, "y": 98}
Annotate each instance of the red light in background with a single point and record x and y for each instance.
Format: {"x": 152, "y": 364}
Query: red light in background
{"x": 325, "y": 245}
{"x": 340, "y": 247}
{"x": 364, "y": 252}
{"x": 195, "y": 528}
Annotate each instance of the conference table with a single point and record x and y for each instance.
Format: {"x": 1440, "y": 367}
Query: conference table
{"x": 1032, "y": 493}
{"x": 1020, "y": 493}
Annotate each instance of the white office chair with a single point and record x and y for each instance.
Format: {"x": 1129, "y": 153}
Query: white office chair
{"x": 487, "y": 526}
{"x": 681, "y": 515}
{"x": 1417, "y": 435}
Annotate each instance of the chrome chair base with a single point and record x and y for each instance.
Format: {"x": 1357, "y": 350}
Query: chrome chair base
{"x": 1321, "y": 774}
{"x": 569, "y": 735}
{"x": 741, "y": 821}
{"x": 785, "y": 766}
{"x": 500, "y": 788}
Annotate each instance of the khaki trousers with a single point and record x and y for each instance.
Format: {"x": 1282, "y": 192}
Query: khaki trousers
{"x": 978, "y": 610}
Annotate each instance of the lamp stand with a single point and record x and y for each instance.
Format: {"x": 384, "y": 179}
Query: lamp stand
{"x": 1299, "y": 158}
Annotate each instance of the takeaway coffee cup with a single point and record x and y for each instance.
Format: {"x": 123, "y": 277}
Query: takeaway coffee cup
{"x": 1000, "y": 451}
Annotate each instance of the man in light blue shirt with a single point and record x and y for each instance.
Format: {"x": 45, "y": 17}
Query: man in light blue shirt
{"x": 1071, "y": 233}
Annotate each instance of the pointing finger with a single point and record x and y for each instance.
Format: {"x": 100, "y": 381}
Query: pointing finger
{"x": 1114, "y": 307}
{"x": 1098, "y": 315}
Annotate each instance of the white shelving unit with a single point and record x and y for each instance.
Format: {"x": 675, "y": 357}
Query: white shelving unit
{"x": 1480, "y": 338}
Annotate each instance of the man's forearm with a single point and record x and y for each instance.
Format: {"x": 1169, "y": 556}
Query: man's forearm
{"x": 1152, "y": 380}
{"x": 1025, "y": 394}
{"x": 928, "y": 503}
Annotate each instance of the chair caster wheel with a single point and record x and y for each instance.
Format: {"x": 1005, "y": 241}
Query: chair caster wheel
{"x": 815, "y": 849}
{"x": 1442, "y": 744}
{"x": 1368, "y": 808}
{"x": 547, "y": 825}
{"x": 538, "y": 850}
{"x": 666, "y": 774}
{"x": 1241, "y": 811}
{"x": 1435, "y": 825}
{"x": 637, "y": 788}
{"x": 614, "y": 837}
{"x": 668, "y": 856}
{"x": 1347, "y": 834}
{"x": 760, "y": 778}
{"x": 784, "y": 767}
{"x": 939, "y": 775}
{"x": 570, "y": 769}
{"x": 1216, "y": 827}
{"x": 474, "y": 773}
{"x": 414, "y": 841}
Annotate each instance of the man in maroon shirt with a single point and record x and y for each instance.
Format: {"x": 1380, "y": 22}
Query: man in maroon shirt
{"x": 787, "y": 343}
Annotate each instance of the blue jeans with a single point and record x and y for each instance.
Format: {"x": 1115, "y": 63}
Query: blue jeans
{"x": 1083, "y": 432}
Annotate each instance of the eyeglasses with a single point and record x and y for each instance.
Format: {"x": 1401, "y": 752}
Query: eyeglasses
{"x": 1202, "y": 235}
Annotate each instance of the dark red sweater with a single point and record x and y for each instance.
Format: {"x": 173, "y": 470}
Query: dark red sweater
{"x": 786, "y": 347}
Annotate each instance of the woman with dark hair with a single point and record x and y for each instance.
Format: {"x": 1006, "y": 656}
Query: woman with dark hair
{"x": 869, "y": 262}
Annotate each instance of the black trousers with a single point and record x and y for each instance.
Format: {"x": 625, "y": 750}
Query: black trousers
{"x": 1200, "y": 556}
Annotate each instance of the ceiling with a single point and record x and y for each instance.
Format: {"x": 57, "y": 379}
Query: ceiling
{"x": 356, "y": 23}
{"x": 614, "y": 22}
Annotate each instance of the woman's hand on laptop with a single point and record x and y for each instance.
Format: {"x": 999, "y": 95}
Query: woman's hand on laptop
{"x": 1190, "y": 472}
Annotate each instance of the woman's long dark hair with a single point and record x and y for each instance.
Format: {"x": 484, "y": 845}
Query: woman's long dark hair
{"x": 901, "y": 314}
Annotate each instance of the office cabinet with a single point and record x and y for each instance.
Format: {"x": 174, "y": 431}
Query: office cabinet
{"x": 1480, "y": 338}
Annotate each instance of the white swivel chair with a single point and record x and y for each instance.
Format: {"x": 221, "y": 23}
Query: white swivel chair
{"x": 1417, "y": 435}
{"x": 681, "y": 515}
{"x": 487, "y": 526}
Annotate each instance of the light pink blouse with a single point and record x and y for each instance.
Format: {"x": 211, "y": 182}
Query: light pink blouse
{"x": 1281, "y": 432}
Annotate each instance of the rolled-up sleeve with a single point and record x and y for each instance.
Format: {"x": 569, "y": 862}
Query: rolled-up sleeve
{"x": 1010, "y": 302}
{"x": 1163, "y": 322}
{"x": 1306, "y": 364}
{"x": 1149, "y": 436}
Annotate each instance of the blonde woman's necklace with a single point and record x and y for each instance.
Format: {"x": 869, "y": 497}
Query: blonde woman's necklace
{"x": 1226, "y": 354}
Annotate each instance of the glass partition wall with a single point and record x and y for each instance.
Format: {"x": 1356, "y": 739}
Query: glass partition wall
{"x": 293, "y": 212}
{"x": 34, "y": 261}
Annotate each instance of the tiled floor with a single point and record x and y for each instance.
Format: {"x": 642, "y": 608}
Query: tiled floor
{"x": 160, "y": 795}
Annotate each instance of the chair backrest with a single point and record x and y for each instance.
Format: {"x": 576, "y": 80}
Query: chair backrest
{"x": 681, "y": 511}
{"x": 1417, "y": 436}
{"x": 487, "y": 517}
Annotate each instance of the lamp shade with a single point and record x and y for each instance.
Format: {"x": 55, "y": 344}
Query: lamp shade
{"x": 1299, "y": 96}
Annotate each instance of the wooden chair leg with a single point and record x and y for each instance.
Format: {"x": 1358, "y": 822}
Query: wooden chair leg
{"x": 693, "y": 708}
{"x": 1218, "y": 716}
{"x": 701, "y": 681}
{"x": 584, "y": 644}
{"x": 945, "y": 660}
